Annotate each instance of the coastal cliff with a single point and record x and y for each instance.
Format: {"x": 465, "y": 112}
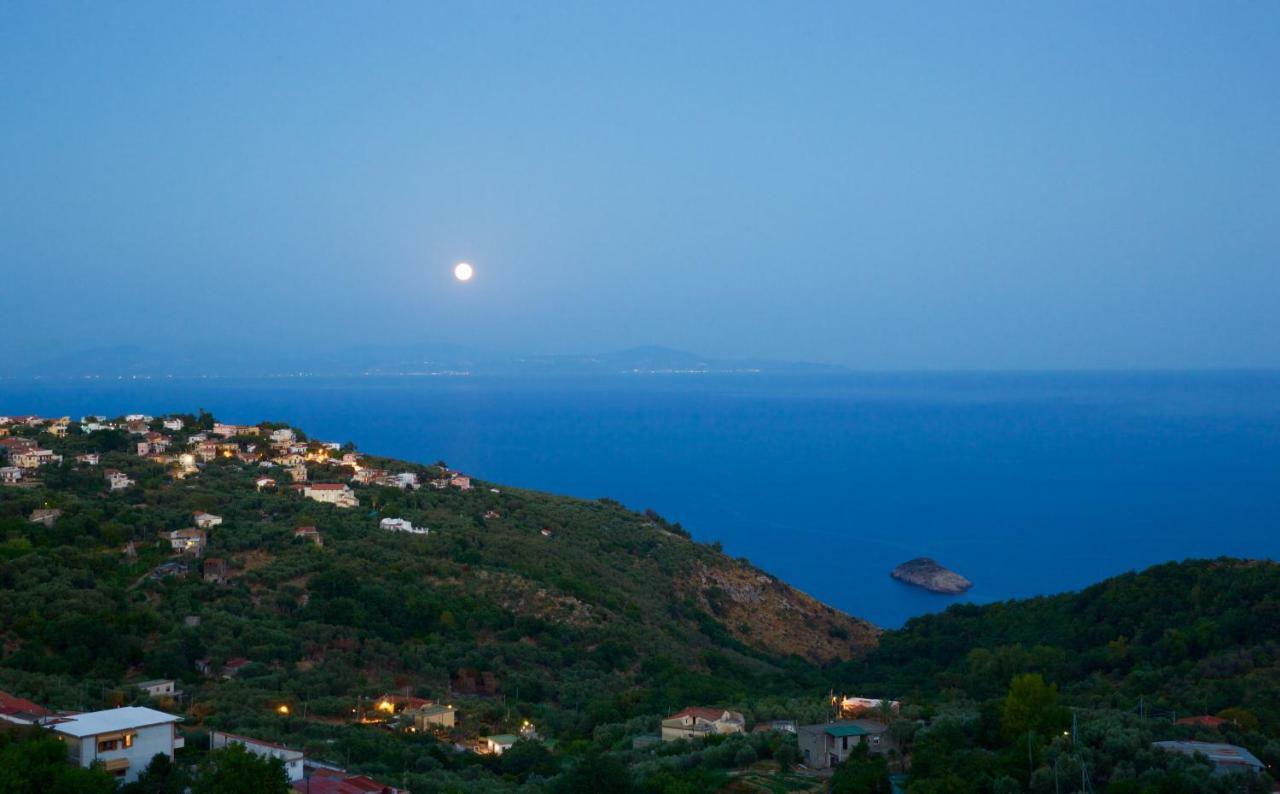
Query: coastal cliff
{"x": 927, "y": 573}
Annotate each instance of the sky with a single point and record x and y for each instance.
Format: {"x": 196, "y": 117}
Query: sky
{"x": 884, "y": 186}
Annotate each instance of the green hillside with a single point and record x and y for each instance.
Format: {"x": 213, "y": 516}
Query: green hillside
{"x": 517, "y": 605}
{"x": 589, "y": 622}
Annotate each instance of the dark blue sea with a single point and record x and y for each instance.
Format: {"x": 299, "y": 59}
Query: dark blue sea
{"x": 1025, "y": 483}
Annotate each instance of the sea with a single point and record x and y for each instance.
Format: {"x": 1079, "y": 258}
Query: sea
{"x": 1026, "y": 483}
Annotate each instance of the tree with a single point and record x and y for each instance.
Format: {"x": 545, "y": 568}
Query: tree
{"x": 596, "y": 773}
{"x": 862, "y": 773}
{"x": 526, "y": 758}
{"x": 160, "y": 777}
{"x": 1030, "y": 707}
{"x": 36, "y": 763}
{"x": 234, "y": 769}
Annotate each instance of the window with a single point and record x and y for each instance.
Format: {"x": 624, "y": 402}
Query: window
{"x": 117, "y": 742}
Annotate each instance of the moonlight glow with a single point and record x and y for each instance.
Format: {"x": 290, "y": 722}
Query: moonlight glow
{"x": 462, "y": 271}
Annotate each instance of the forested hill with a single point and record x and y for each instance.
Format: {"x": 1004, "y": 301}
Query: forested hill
{"x": 1131, "y": 655}
{"x": 582, "y": 610}
{"x": 583, "y": 618}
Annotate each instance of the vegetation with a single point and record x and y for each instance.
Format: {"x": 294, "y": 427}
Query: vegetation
{"x": 1127, "y": 655}
{"x": 592, "y": 631}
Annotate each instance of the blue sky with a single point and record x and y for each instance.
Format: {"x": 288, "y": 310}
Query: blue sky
{"x": 890, "y": 186}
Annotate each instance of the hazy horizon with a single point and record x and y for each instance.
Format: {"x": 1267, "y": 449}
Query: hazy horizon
{"x": 884, "y": 188}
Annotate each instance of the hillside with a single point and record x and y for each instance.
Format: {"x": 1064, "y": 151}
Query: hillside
{"x": 1130, "y": 655}
{"x": 569, "y": 612}
{"x": 582, "y": 618}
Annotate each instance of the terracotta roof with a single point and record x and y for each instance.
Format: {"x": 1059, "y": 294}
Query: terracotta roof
{"x": 327, "y": 781}
{"x": 13, "y": 704}
{"x": 1203, "y": 719}
{"x": 326, "y": 486}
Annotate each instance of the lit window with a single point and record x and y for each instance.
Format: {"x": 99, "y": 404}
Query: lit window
{"x": 128, "y": 740}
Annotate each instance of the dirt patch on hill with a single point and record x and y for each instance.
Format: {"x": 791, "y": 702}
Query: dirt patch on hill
{"x": 766, "y": 613}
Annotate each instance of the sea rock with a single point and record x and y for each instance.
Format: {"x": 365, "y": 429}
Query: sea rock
{"x": 927, "y": 573}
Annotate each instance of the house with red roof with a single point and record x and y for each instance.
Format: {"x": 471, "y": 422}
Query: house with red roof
{"x": 1204, "y": 720}
{"x": 336, "y": 781}
{"x": 21, "y": 711}
{"x": 333, "y": 493}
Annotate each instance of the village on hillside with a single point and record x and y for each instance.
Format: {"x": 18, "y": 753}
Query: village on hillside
{"x": 169, "y": 717}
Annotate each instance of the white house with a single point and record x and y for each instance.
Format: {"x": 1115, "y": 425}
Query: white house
{"x": 499, "y": 744}
{"x": 337, "y": 494}
{"x": 124, "y": 740}
{"x": 173, "y": 424}
{"x": 89, "y": 459}
{"x": 10, "y": 474}
{"x": 187, "y": 540}
{"x": 160, "y": 687}
{"x": 283, "y": 435}
{"x": 292, "y": 759}
{"x": 117, "y": 480}
{"x": 207, "y": 520}
{"x": 696, "y": 722}
{"x": 401, "y": 525}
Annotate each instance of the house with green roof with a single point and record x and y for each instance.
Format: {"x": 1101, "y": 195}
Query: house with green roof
{"x": 432, "y": 716}
{"x": 828, "y": 745}
{"x": 497, "y": 745}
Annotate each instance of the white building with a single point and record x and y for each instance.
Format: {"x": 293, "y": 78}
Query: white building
{"x": 34, "y": 458}
{"x": 292, "y": 759}
{"x": 337, "y": 494}
{"x": 160, "y": 687}
{"x": 284, "y": 435}
{"x": 10, "y": 474}
{"x": 401, "y": 525}
{"x": 499, "y": 744}
{"x": 187, "y": 541}
{"x": 207, "y": 520}
{"x": 696, "y": 722}
{"x": 117, "y": 480}
{"x": 173, "y": 424}
{"x": 124, "y": 740}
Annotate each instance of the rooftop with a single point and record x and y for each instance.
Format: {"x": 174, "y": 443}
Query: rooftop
{"x": 1217, "y": 753}
{"x": 845, "y": 730}
{"x": 96, "y": 722}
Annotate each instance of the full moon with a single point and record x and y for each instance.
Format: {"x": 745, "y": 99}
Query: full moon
{"x": 462, "y": 271}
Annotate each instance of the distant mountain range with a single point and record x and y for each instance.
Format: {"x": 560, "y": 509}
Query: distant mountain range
{"x": 133, "y": 361}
